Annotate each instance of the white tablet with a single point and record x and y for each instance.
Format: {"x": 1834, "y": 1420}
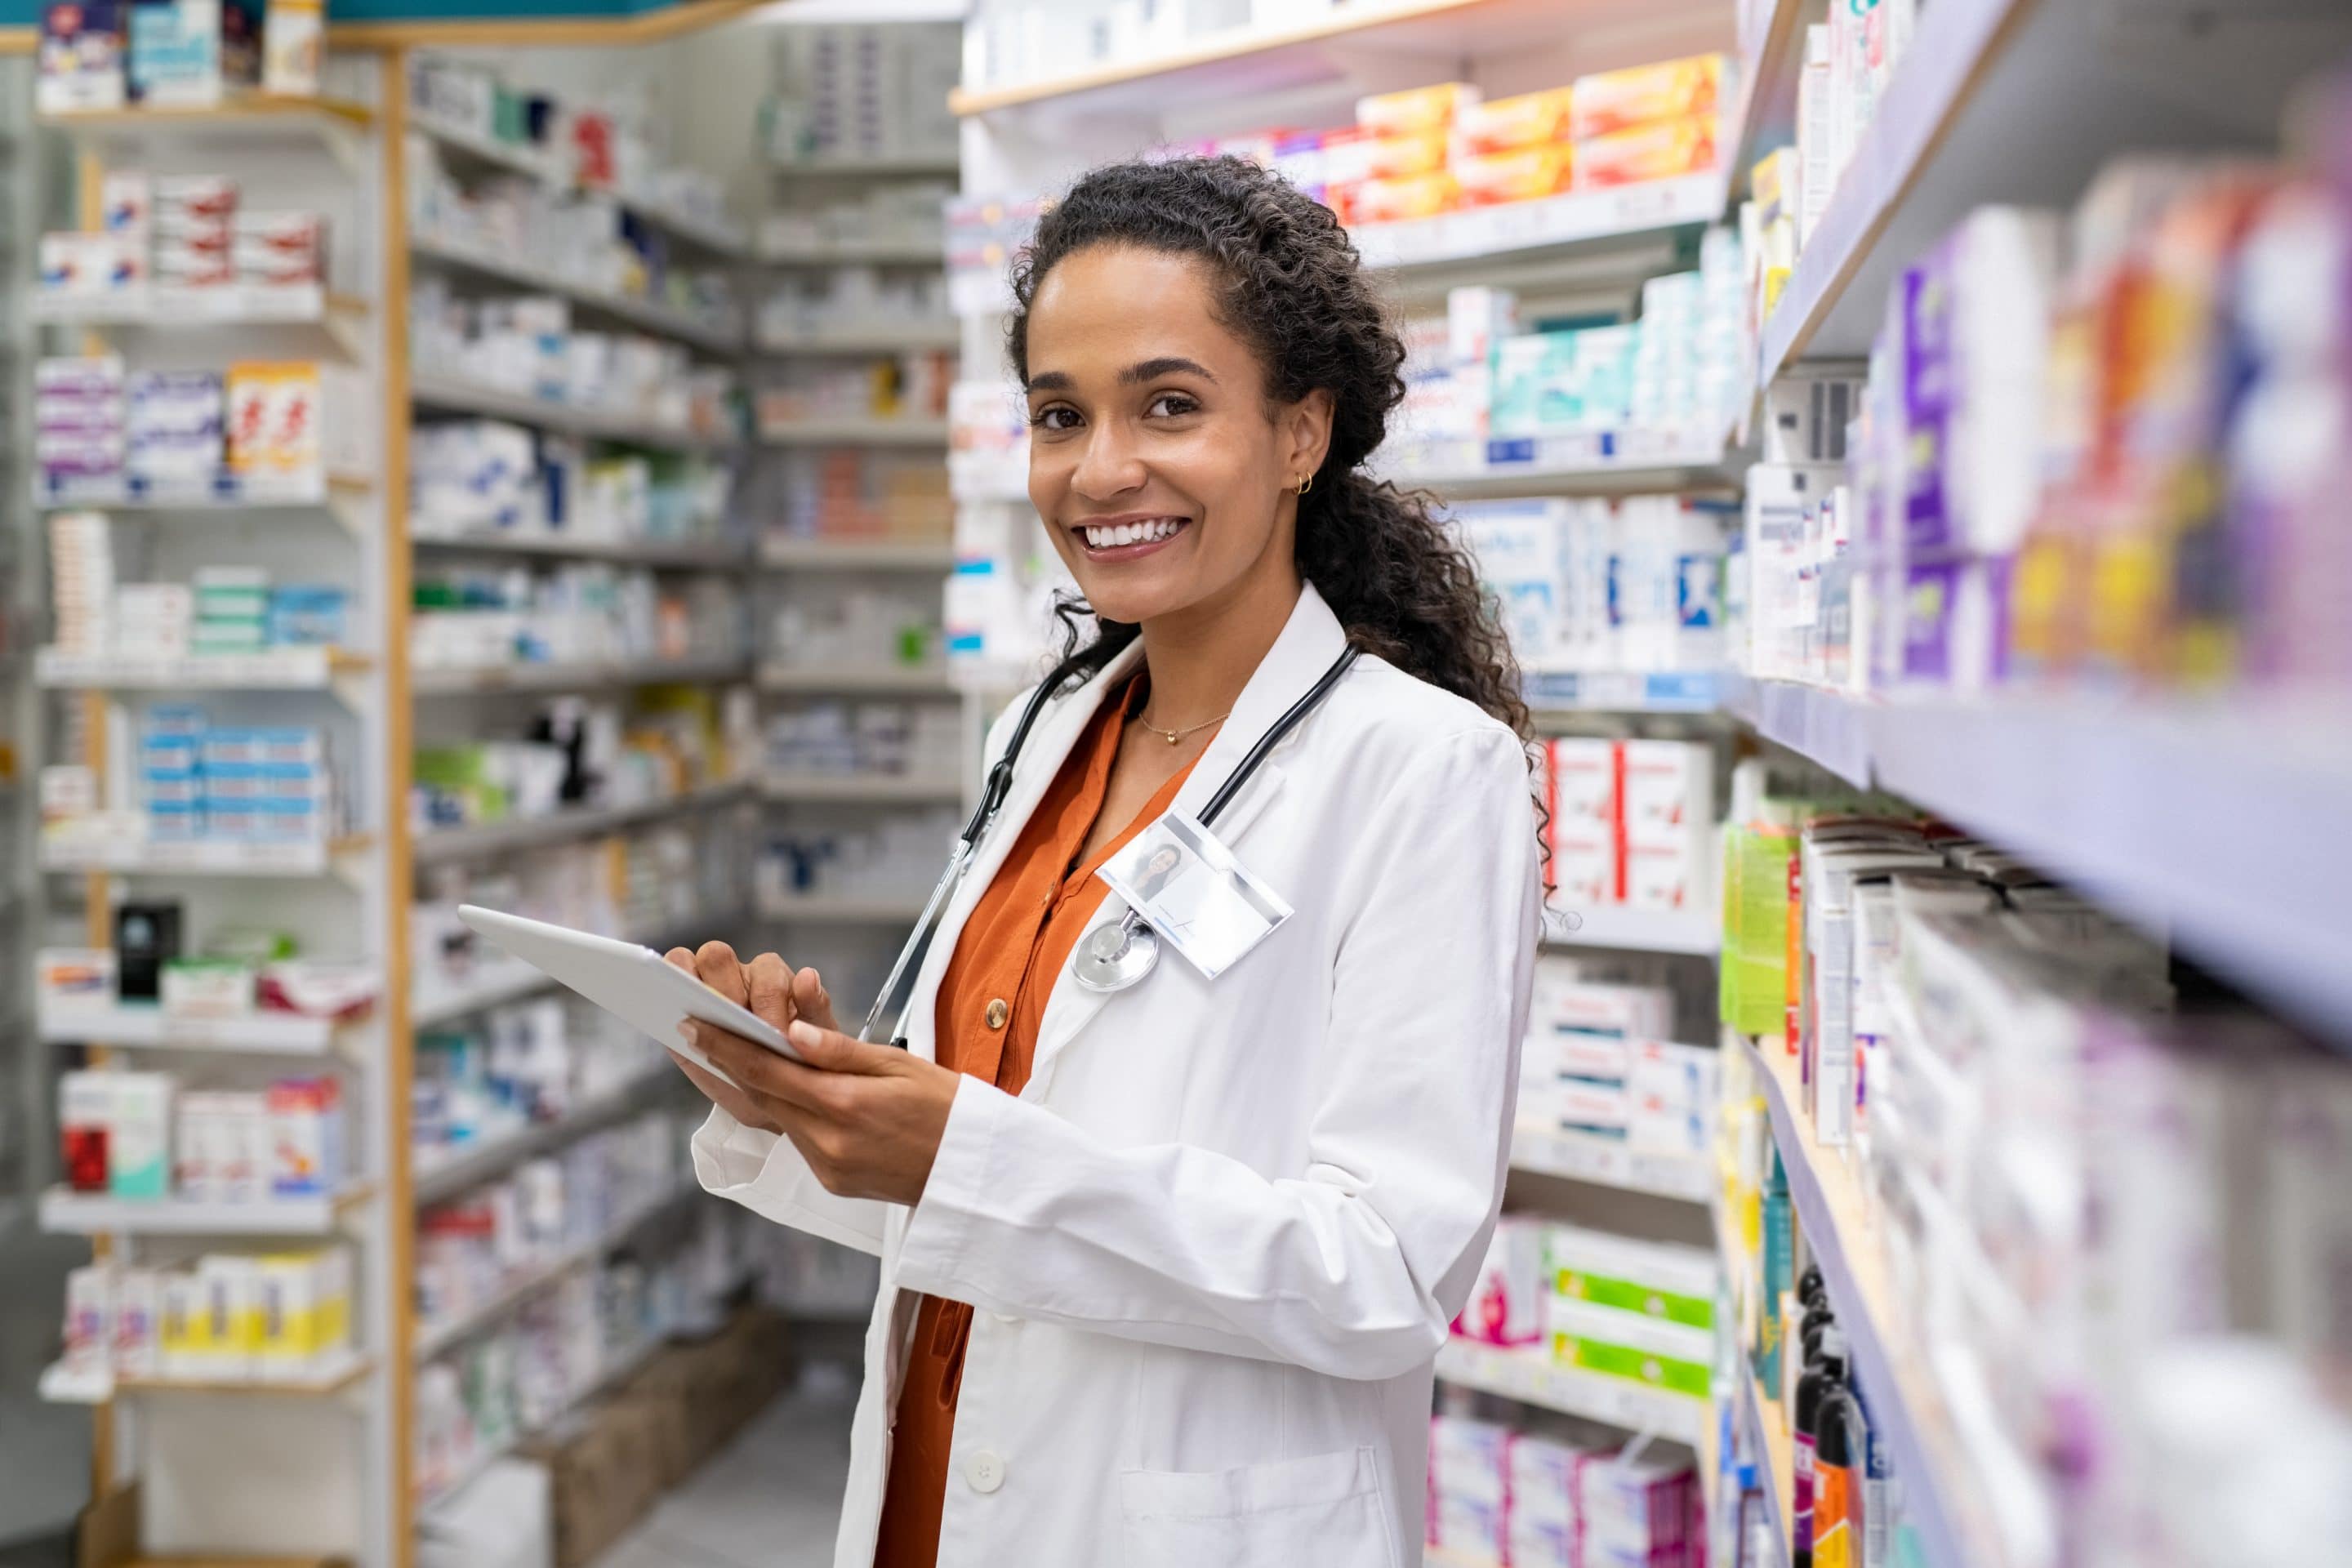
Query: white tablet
{"x": 634, "y": 983}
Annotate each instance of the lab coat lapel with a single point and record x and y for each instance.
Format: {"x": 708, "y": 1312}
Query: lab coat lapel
{"x": 1058, "y": 729}
{"x": 1310, "y": 640}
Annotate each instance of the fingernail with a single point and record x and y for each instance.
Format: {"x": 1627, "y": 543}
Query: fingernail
{"x": 803, "y": 1034}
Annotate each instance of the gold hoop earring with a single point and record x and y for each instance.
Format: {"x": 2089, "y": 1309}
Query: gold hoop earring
{"x": 1305, "y": 483}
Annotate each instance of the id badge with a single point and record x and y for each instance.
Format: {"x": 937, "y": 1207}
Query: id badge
{"x": 1201, "y": 901}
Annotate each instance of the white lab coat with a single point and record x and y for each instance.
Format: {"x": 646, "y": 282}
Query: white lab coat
{"x": 1215, "y": 1242}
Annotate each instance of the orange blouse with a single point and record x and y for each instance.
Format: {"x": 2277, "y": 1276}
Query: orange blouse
{"x": 990, "y": 1005}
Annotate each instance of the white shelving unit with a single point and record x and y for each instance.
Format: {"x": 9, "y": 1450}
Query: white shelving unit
{"x": 326, "y": 157}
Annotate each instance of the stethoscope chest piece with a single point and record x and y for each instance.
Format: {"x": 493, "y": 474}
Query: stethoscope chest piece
{"x": 1114, "y": 957}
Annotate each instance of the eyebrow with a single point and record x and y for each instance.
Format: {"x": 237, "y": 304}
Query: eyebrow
{"x": 1135, "y": 375}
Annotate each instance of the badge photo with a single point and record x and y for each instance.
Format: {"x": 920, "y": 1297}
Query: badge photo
{"x": 1201, "y": 900}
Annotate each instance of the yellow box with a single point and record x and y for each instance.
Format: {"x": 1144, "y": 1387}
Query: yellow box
{"x": 1400, "y": 200}
{"x": 1656, "y": 151}
{"x": 1507, "y": 124}
{"x": 1773, "y": 184}
{"x": 1401, "y": 157}
{"x": 1639, "y": 95}
{"x": 1524, "y": 175}
{"x": 1415, "y": 108}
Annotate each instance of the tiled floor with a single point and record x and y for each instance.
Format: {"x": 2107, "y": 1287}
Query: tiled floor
{"x": 769, "y": 1501}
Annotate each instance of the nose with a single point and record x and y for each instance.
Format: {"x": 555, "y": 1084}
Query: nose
{"x": 1109, "y": 465}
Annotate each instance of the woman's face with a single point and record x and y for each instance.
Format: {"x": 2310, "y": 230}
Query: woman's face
{"x": 1161, "y": 472}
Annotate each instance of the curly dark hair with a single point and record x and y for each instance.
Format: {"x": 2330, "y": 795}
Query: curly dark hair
{"x": 1293, "y": 286}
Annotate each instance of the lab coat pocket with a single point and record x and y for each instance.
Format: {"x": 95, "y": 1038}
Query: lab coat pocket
{"x": 1324, "y": 1510}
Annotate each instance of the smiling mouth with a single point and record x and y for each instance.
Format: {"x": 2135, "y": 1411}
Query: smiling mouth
{"x": 1126, "y": 540}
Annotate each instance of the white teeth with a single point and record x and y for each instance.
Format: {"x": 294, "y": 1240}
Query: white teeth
{"x": 1151, "y": 531}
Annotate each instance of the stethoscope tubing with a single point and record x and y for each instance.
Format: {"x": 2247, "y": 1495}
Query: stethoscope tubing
{"x": 999, "y": 785}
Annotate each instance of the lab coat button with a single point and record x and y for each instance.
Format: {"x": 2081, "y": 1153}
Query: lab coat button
{"x": 997, "y": 1013}
{"x": 984, "y": 1471}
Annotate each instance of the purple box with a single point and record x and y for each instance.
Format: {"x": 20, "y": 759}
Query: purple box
{"x": 1926, "y": 354}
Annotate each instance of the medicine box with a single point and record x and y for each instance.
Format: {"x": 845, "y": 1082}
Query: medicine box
{"x": 1655, "y": 1279}
{"x": 1505, "y": 1304}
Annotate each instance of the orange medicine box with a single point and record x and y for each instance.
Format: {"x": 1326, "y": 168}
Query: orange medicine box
{"x": 1524, "y": 176}
{"x": 1670, "y": 89}
{"x": 1415, "y": 108}
{"x": 1659, "y": 151}
{"x": 1507, "y": 124}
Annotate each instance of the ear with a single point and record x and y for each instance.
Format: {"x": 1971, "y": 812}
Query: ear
{"x": 1306, "y": 433}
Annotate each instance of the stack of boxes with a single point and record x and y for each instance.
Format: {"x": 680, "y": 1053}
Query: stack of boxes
{"x": 1600, "y": 1059}
{"x": 1631, "y": 824}
{"x": 81, "y": 576}
{"x": 264, "y": 784}
{"x": 848, "y": 92}
{"x": 1646, "y": 122}
{"x": 138, "y": 1135}
{"x": 225, "y": 1318}
{"x": 265, "y": 425}
{"x": 1594, "y": 585}
{"x": 79, "y": 406}
{"x": 1640, "y": 1310}
{"x": 185, "y": 54}
{"x": 1498, "y": 1495}
{"x": 187, "y": 236}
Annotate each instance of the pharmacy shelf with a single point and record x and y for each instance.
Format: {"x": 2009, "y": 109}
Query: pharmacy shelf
{"x": 1698, "y": 931}
{"x": 1940, "y": 1495}
{"x": 828, "y": 909}
{"x": 501, "y": 981}
{"x": 1597, "y": 463}
{"x": 1767, "y": 1440}
{"x": 1265, "y": 57}
{"x": 1583, "y": 691}
{"x": 68, "y": 1213}
{"x": 930, "y": 252}
{"x": 2224, "y": 825}
{"x": 948, "y": 165}
{"x": 619, "y": 1370}
{"x": 858, "y": 788}
{"x": 789, "y": 554}
{"x": 1767, "y": 83}
{"x": 244, "y": 118}
{"x": 481, "y": 148}
{"x": 432, "y": 1339}
{"x": 855, "y": 432}
{"x": 270, "y": 669}
{"x": 498, "y": 153}
{"x": 872, "y": 337}
{"x": 466, "y": 255}
{"x": 201, "y": 856}
{"x": 489, "y": 839}
{"x": 674, "y": 554}
{"x": 1582, "y": 1157}
{"x": 1530, "y": 1376}
{"x": 453, "y": 394}
{"x": 234, "y": 305}
{"x": 225, "y": 493}
{"x": 2022, "y": 102}
{"x": 907, "y": 680}
{"x": 61, "y": 1384}
{"x": 590, "y": 674}
{"x": 1550, "y": 225}
{"x": 149, "y": 1027}
{"x": 436, "y": 1180}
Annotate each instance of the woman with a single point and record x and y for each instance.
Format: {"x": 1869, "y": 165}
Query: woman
{"x": 1214, "y": 1230}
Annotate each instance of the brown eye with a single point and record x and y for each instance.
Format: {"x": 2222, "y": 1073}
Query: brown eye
{"x": 1170, "y": 405}
{"x": 1056, "y": 416}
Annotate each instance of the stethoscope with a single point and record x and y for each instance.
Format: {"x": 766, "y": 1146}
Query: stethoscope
{"x": 1111, "y": 957}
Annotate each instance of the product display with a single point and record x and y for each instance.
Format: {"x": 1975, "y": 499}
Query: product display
{"x": 579, "y": 614}
{"x": 1901, "y": 448}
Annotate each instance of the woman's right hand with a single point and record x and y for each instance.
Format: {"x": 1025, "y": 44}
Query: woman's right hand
{"x": 774, "y": 993}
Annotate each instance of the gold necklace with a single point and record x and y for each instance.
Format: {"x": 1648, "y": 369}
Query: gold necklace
{"x": 1173, "y": 736}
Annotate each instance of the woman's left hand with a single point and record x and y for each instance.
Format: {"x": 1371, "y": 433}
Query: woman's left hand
{"x": 867, "y": 1119}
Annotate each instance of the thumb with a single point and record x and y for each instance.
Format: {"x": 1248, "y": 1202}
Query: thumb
{"x": 828, "y": 1049}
